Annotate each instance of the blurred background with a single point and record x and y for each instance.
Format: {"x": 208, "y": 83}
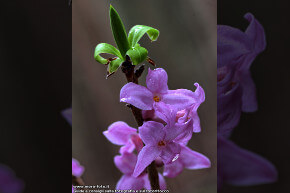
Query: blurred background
{"x": 35, "y": 84}
{"x": 265, "y": 132}
{"x": 186, "y": 48}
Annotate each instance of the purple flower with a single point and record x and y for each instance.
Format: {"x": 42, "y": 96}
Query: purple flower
{"x": 187, "y": 159}
{"x": 158, "y": 143}
{"x": 179, "y": 121}
{"x": 156, "y": 91}
{"x": 126, "y": 164}
{"x": 119, "y": 133}
{"x": 241, "y": 167}
{"x": 9, "y": 183}
{"x": 77, "y": 169}
{"x": 67, "y": 114}
{"x": 235, "y": 88}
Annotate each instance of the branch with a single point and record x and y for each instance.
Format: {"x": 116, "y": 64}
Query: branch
{"x": 128, "y": 70}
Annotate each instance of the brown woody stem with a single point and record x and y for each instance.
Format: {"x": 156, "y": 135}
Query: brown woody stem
{"x": 77, "y": 181}
{"x": 132, "y": 76}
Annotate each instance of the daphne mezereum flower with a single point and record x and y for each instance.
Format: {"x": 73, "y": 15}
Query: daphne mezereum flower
{"x": 159, "y": 142}
{"x": 9, "y": 183}
{"x": 67, "y": 114}
{"x": 237, "y": 166}
{"x": 185, "y": 121}
{"x": 188, "y": 159}
{"x": 156, "y": 91}
{"x": 119, "y": 133}
{"x": 236, "y": 50}
{"x": 126, "y": 164}
{"x": 77, "y": 169}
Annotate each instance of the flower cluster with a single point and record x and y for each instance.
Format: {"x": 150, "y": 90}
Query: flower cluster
{"x": 236, "y": 93}
{"x": 9, "y": 183}
{"x": 170, "y": 120}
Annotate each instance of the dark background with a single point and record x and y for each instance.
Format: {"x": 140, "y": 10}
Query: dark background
{"x": 35, "y": 84}
{"x": 266, "y": 131}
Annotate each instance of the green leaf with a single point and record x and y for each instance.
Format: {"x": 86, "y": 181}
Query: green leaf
{"x": 104, "y": 48}
{"x": 114, "y": 65}
{"x": 119, "y": 32}
{"x": 138, "y": 31}
{"x": 137, "y": 54}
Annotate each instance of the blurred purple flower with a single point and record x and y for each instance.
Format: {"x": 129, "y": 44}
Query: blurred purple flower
{"x": 67, "y": 114}
{"x": 77, "y": 169}
{"x": 236, "y": 50}
{"x": 236, "y": 93}
{"x": 9, "y": 183}
{"x": 156, "y": 91}
{"x": 240, "y": 167}
{"x": 126, "y": 164}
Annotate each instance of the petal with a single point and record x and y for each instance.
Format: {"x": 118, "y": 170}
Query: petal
{"x": 232, "y": 43}
{"x": 256, "y": 33}
{"x": 193, "y": 160}
{"x": 126, "y": 162}
{"x": 137, "y": 95}
{"x": 129, "y": 147}
{"x": 195, "y": 122}
{"x": 170, "y": 152}
{"x": 147, "y": 155}
{"x": 77, "y": 169}
{"x": 173, "y": 169}
{"x": 179, "y": 99}
{"x": 242, "y": 167}
{"x": 249, "y": 101}
{"x": 162, "y": 182}
{"x": 135, "y": 142}
{"x": 156, "y": 80}
{"x": 152, "y": 132}
{"x": 119, "y": 133}
{"x": 186, "y": 133}
{"x": 9, "y": 183}
{"x": 229, "y": 110}
{"x": 198, "y": 95}
{"x": 164, "y": 112}
{"x": 128, "y": 182}
{"x": 67, "y": 114}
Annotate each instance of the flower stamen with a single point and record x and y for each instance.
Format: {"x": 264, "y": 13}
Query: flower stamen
{"x": 161, "y": 143}
{"x": 156, "y": 98}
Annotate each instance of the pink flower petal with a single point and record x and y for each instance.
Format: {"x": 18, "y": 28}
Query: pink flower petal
{"x": 192, "y": 159}
{"x": 128, "y": 182}
{"x": 147, "y": 155}
{"x": 119, "y": 133}
{"x": 137, "y": 95}
{"x": 242, "y": 167}
{"x": 126, "y": 162}
{"x": 152, "y": 132}
{"x": 77, "y": 169}
{"x": 179, "y": 99}
{"x": 156, "y": 80}
{"x": 170, "y": 152}
{"x": 173, "y": 169}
